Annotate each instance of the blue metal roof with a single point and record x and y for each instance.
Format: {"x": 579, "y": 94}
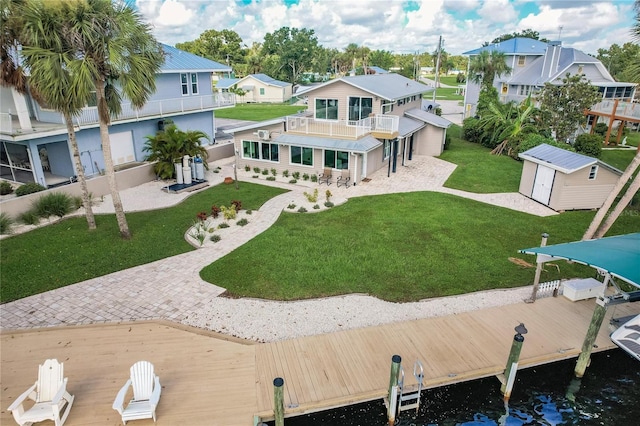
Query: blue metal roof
{"x": 515, "y": 46}
{"x": 177, "y": 60}
{"x": 269, "y": 80}
{"x": 557, "y": 158}
{"x": 428, "y": 117}
{"x": 226, "y": 83}
{"x": 364, "y": 144}
{"x": 407, "y": 126}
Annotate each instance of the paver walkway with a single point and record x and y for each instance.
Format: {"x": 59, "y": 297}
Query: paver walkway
{"x": 172, "y": 289}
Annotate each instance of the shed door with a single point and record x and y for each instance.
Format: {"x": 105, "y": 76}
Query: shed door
{"x": 122, "y": 148}
{"x": 543, "y": 184}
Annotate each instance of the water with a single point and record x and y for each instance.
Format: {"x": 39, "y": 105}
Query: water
{"x": 608, "y": 394}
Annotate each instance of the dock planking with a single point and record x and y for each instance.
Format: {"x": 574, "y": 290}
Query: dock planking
{"x": 210, "y": 379}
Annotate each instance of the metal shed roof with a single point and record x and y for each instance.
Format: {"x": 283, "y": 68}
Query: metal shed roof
{"x": 561, "y": 159}
{"x": 618, "y": 256}
{"x": 407, "y": 126}
{"x": 428, "y": 117}
{"x": 364, "y": 144}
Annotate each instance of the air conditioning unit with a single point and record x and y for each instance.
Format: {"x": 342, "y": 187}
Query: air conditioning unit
{"x": 263, "y": 134}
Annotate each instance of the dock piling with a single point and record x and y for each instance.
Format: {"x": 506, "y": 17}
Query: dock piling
{"x": 396, "y": 360}
{"x": 278, "y": 401}
{"x": 590, "y": 338}
{"x": 512, "y": 363}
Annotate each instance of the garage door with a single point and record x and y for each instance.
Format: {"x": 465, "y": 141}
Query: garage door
{"x": 543, "y": 184}
{"x": 122, "y": 151}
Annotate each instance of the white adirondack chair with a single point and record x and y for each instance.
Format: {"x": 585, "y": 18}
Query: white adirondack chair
{"x": 49, "y": 394}
{"x": 146, "y": 394}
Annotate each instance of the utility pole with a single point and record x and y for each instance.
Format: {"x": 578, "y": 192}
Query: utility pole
{"x": 437, "y": 68}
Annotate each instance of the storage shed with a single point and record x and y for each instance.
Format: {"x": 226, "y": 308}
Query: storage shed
{"x": 565, "y": 180}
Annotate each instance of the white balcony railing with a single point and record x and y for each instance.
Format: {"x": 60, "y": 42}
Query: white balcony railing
{"x": 161, "y": 108}
{"x": 343, "y": 128}
{"x": 624, "y": 109}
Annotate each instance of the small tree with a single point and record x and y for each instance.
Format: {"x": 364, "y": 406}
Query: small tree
{"x": 170, "y": 145}
{"x": 562, "y": 105}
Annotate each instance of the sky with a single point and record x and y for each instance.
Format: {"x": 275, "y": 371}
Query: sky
{"x": 398, "y": 26}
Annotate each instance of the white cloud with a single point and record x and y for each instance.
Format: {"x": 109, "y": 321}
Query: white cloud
{"x": 498, "y": 11}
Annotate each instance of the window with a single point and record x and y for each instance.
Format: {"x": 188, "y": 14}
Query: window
{"x": 327, "y": 109}
{"x": 301, "y": 155}
{"x": 194, "y": 84}
{"x": 185, "y": 84}
{"x": 387, "y": 108}
{"x": 386, "y": 149}
{"x": 360, "y": 108}
{"x": 260, "y": 151}
{"x": 593, "y": 172}
{"x": 262, "y": 91}
{"x": 336, "y": 159}
{"x": 524, "y": 90}
{"x": 521, "y": 60}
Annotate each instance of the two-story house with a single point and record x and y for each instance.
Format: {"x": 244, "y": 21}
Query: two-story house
{"x": 34, "y": 144}
{"x": 535, "y": 63}
{"x": 359, "y": 123}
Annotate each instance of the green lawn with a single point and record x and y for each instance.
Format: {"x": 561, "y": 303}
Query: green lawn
{"x": 258, "y": 112}
{"x": 65, "y": 253}
{"x": 478, "y": 170}
{"x": 398, "y": 247}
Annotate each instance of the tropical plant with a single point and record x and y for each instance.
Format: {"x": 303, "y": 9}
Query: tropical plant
{"x": 486, "y": 66}
{"x": 5, "y": 188}
{"x": 29, "y": 188}
{"x": 590, "y": 145}
{"x": 170, "y": 145}
{"x": 509, "y": 123}
{"x": 5, "y": 223}
{"x": 53, "y": 204}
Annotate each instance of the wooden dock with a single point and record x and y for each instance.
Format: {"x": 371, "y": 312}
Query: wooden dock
{"x": 209, "y": 379}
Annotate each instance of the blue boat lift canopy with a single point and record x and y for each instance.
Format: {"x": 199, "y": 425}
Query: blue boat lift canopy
{"x": 617, "y": 256}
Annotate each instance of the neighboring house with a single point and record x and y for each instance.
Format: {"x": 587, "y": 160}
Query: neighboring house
{"x": 368, "y": 70}
{"x": 565, "y": 180}
{"x": 34, "y": 139}
{"x": 535, "y": 63}
{"x": 354, "y": 124}
{"x": 262, "y": 88}
{"x": 224, "y": 85}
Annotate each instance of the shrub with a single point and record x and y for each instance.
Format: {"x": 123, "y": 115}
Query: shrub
{"x": 265, "y": 172}
{"x": 447, "y": 141}
{"x": 328, "y": 204}
{"x": 53, "y": 204}
{"x": 247, "y": 168}
{"x": 5, "y": 188}
{"x": 223, "y": 225}
{"x": 305, "y": 176}
{"x": 248, "y": 211}
{"x": 202, "y": 216}
{"x": 255, "y": 177}
{"x": 29, "y": 217}
{"x": 215, "y": 238}
{"x": 274, "y": 172}
{"x": 228, "y": 212}
{"x": 291, "y": 206}
{"x": 590, "y": 145}
{"x": 293, "y": 181}
{"x": 302, "y": 210}
{"x": 215, "y": 211}
{"x": 472, "y": 130}
{"x": 242, "y": 222}
{"x": 314, "y": 178}
{"x": 77, "y": 202}
{"x": 256, "y": 170}
{"x": 316, "y": 206}
{"x": 328, "y": 195}
{"x": 533, "y": 139}
{"x": 237, "y": 204}
{"x": 439, "y": 111}
{"x": 601, "y": 129}
{"x": 5, "y": 223}
{"x": 295, "y": 175}
{"x": 29, "y": 188}
{"x": 312, "y": 197}
{"x": 198, "y": 232}
{"x": 285, "y": 173}
{"x": 271, "y": 178}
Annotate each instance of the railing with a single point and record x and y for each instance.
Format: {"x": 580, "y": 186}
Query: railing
{"x": 5, "y": 123}
{"x": 162, "y": 107}
{"x": 343, "y": 128}
{"x": 624, "y": 109}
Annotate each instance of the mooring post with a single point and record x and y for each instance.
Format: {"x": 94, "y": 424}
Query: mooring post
{"x": 512, "y": 363}
{"x": 536, "y": 279}
{"x": 393, "y": 382}
{"x": 278, "y": 401}
{"x": 592, "y": 333}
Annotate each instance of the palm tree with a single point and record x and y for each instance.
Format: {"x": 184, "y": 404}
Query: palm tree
{"x": 117, "y": 56}
{"x": 170, "y": 145}
{"x": 509, "y": 123}
{"x": 49, "y": 58}
{"x": 486, "y": 66}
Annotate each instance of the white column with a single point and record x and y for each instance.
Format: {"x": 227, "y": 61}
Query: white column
{"x": 20, "y": 103}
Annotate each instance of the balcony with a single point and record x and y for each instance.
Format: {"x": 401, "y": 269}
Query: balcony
{"x": 379, "y": 126}
{"x": 162, "y": 108}
{"x": 629, "y": 111}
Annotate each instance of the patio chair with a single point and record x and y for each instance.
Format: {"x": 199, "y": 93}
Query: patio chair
{"x": 344, "y": 178}
{"x": 146, "y": 394}
{"x": 325, "y": 177}
{"x": 50, "y": 395}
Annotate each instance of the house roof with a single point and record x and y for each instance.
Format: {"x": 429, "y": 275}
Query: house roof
{"x": 226, "y": 83}
{"x": 364, "y": 144}
{"x": 255, "y": 125}
{"x": 561, "y": 159}
{"x": 407, "y": 126}
{"x": 388, "y": 86}
{"x": 428, "y": 117}
{"x": 618, "y": 255}
{"x": 515, "y": 46}
{"x": 177, "y": 60}
{"x": 267, "y": 80}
